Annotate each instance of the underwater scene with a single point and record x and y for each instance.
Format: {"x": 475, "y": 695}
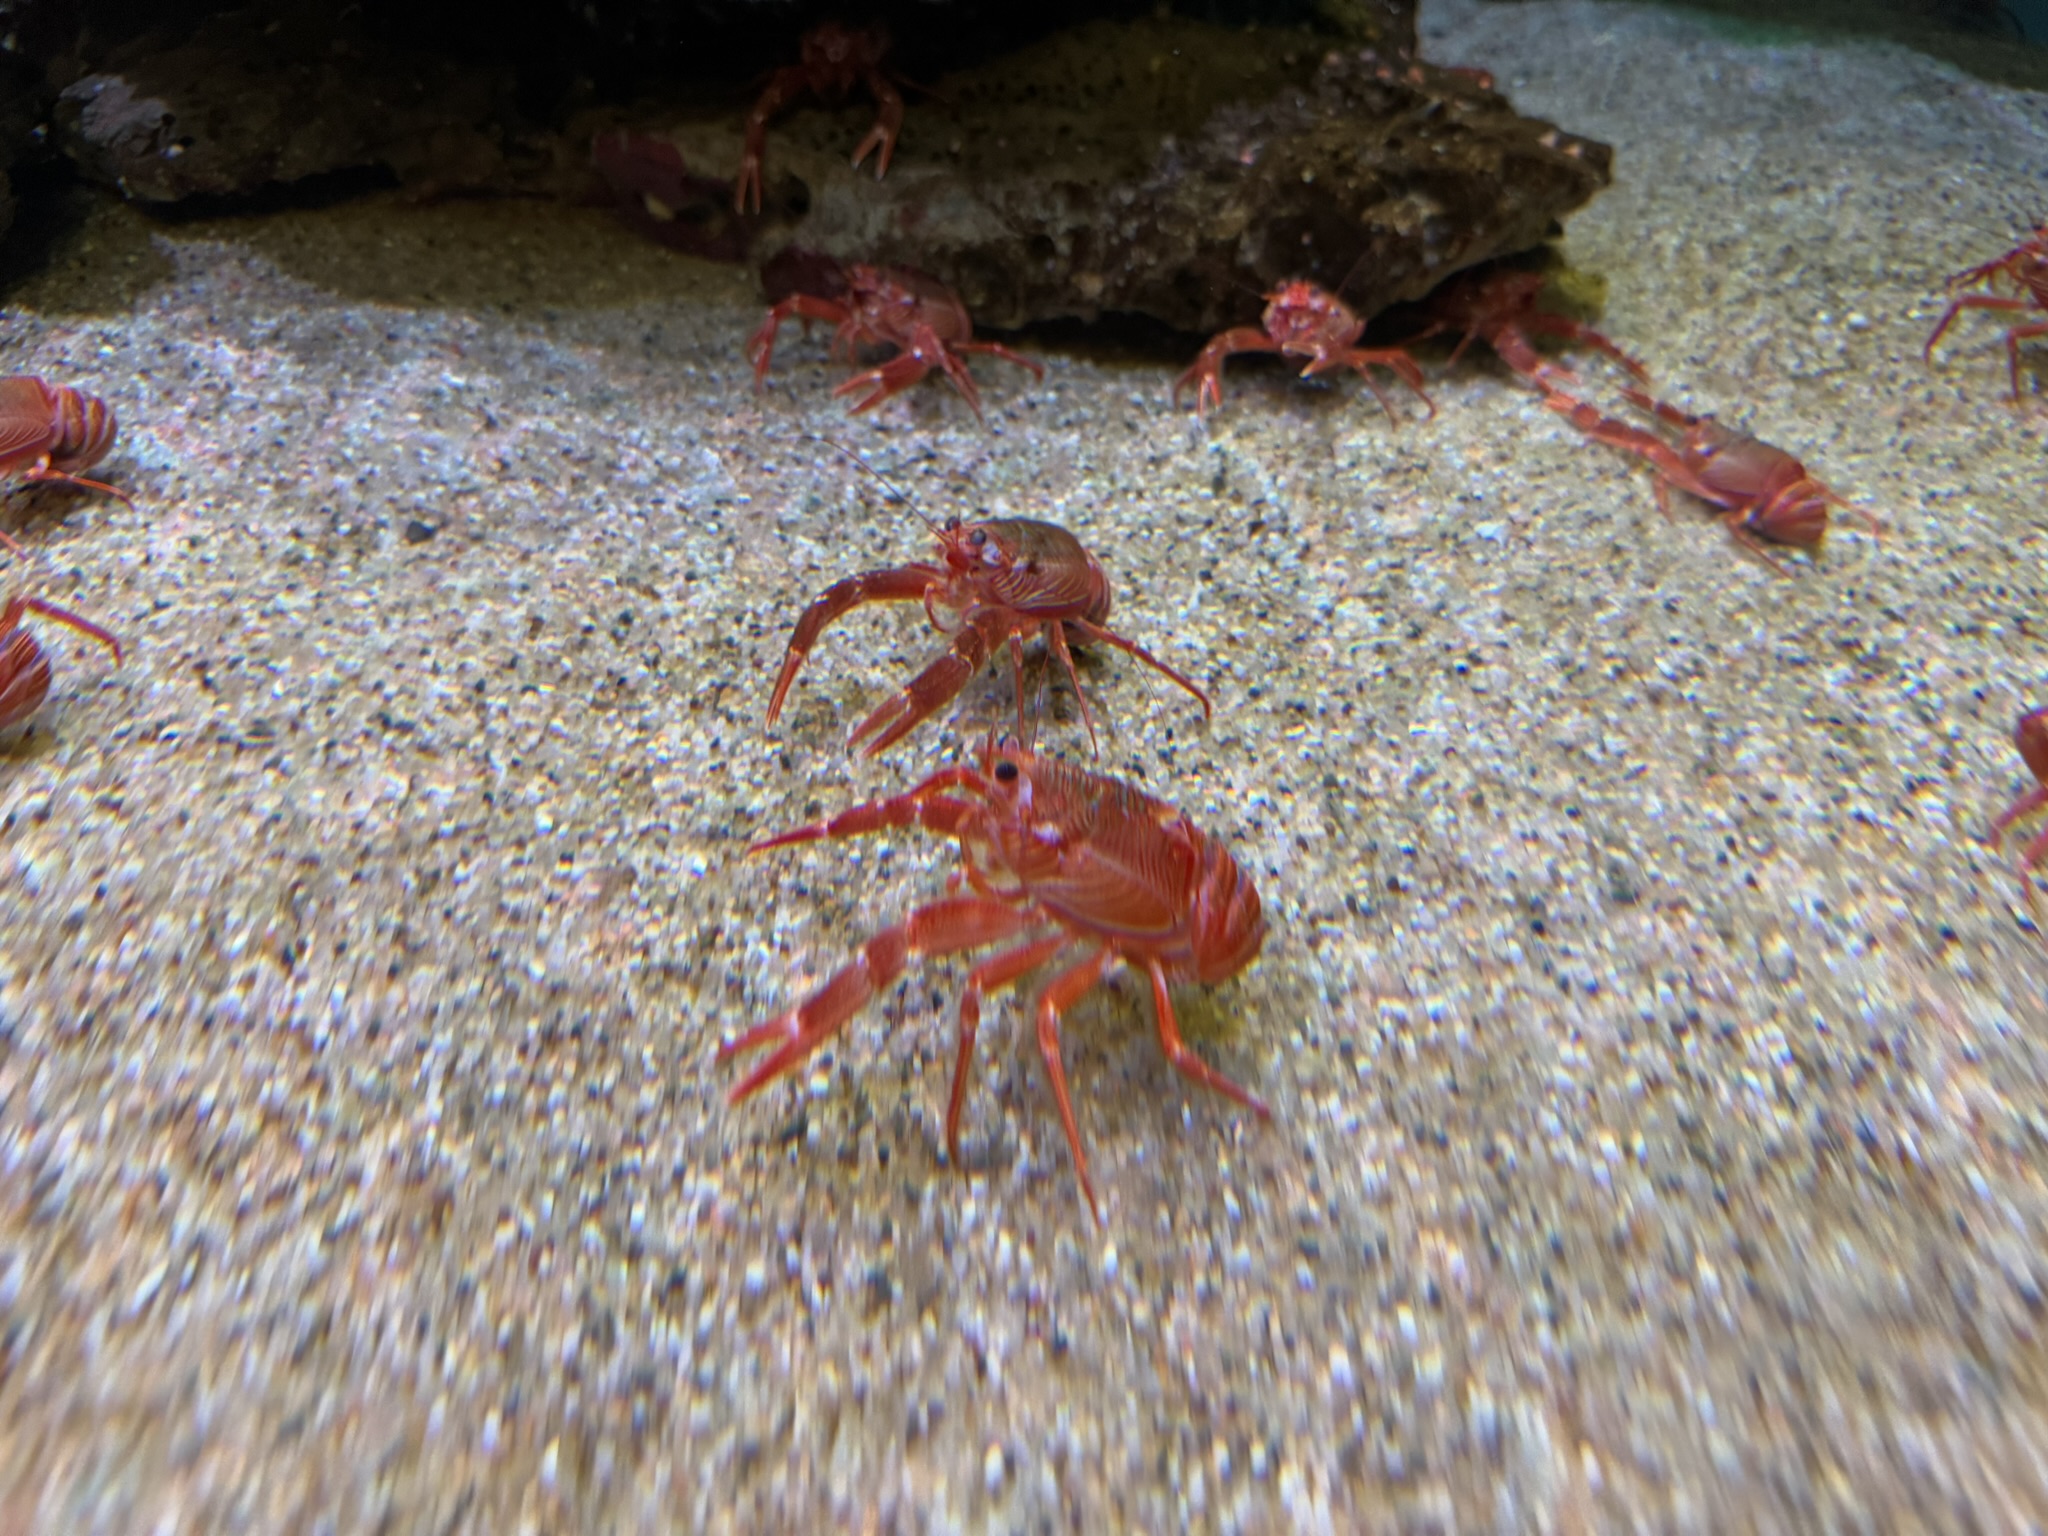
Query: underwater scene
{"x": 1269, "y": 767}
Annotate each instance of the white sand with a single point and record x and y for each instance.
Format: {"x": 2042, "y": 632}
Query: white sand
{"x": 1653, "y": 1044}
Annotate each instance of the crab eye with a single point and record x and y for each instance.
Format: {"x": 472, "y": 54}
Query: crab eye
{"x": 1006, "y": 771}
{"x": 978, "y": 538}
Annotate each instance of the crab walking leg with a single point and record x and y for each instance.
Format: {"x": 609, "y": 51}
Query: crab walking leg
{"x": 1056, "y": 642}
{"x": 1514, "y": 349}
{"x": 20, "y": 605}
{"x": 997, "y": 349}
{"x": 992, "y": 975}
{"x": 806, "y": 307}
{"x": 782, "y": 89}
{"x": 1363, "y": 360}
{"x": 888, "y": 124}
{"x": 2031, "y": 855}
{"x": 2026, "y": 805}
{"x": 1207, "y": 368}
{"x": 943, "y": 928}
{"x": 1132, "y": 648}
{"x": 1976, "y": 301}
{"x": 1017, "y": 677}
{"x": 923, "y": 352}
{"x": 902, "y": 584}
{"x": 2013, "y": 338}
{"x": 1619, "y": 434}
{"x": 1185, "y": 1061}
{"x": 1061, "y": 993}
{"x": 40, "y": 473}
{"x": 1565, "y": 329}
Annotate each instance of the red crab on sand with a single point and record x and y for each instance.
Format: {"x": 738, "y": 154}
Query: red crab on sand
{"x": 1302, "y": 320}
{"x": 1762, "y": 492}
{"x": 2025, "y": 267}
{"x": 876, "y": 307}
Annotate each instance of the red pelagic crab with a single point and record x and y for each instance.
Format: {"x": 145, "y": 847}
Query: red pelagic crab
{"x": 1061, "y": 863}
{"x": 24, "y": 664}
{"x": 2031, "y": 737}
{"x": 1762, "y": 492}
{"x": 1498, "y": 306}
{"x": 49, "y": 432}
{"x": 834, "y": 59}
{"x": 1302, "y": 320}
{"x": 1007, "y": 578}
{"x": 919, "y": 316}
{"x": 2024, "y": 267}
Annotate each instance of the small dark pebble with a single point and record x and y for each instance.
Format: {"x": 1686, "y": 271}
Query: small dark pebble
{"x": 417, "y": 532}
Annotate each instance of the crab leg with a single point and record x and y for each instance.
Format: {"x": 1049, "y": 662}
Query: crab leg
{"x": 1061, "y": 993}
{"x": 942, "y": 928}
{"x": 899, "y": 584}
{"x": 923, "y": 352}
{"x": 2026, "y": 805}
{"x": 762, "y": 347}
{"x": 1185, "y": 1061}
{"x": 41, "y": 473}
{"x": 1208, "y": 365}
{"x": 992, "y": 975}
{"x": 981, "y": 631}
{"x": 1567, "y": 329}
{"x": 16, "y": 607}
{"x": 1363, "y": 360}
{"x": 1619, "y": 434}
{"x": 1132, "y": 648}
{"x": 997, "y": 349}
{"x": 1970, "y": 301}
{"x": 888, "y": 123}
{"x": 1746, "y": 538}
{"x": 2030, "y": 856}
{"x": 782, "y": 89}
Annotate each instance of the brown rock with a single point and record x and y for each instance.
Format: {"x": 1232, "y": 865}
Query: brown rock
{"x": 1179, "y": 170}
{"x": 256, "y": 100}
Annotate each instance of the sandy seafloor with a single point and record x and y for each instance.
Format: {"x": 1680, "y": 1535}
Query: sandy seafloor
{"x": 1655, "y": 1047}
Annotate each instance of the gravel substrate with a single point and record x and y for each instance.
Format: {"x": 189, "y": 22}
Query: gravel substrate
{"x": 1654, "y": 1045}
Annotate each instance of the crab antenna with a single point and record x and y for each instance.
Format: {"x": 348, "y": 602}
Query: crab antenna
{"x": 1349, "y": 273}
{"x": 887, "y": 484}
